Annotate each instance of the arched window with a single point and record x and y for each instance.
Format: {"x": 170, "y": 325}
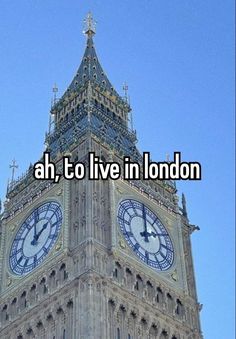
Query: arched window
{"x": 23, "y": 299}
{"x": 4, "y": 313}
{"x": 117, "y": 271}
{"x": 63, "y": 272}
{"x": 117, "y": 333}
{"x": 139, "y": 283}
{"x": 179, "y": 308}
{"x": 150, "y": 291}
{"x": 164, "y": 335}
{"x": 129, "y": 277}
{"x": 43, "y": 286}
{"x": 159, "y": 296}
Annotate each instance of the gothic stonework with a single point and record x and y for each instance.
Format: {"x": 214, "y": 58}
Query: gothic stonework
{"x": 120, "y": 266}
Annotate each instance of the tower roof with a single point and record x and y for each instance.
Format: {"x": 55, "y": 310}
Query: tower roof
{"x": 90, "y": 69}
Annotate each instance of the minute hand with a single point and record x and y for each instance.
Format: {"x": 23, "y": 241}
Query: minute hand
{"x": 145, "y": 233}
{"x": 36, "y": 237}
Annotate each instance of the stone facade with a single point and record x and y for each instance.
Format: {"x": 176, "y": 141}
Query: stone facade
{"x": 92, "y": 285}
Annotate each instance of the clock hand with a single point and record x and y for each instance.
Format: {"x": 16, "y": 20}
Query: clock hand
{"x": 33, "y": 242}
{"x": 36, "y": 219}
{"x": 36, "y": 236}
{"x": 42, "y": 229}
{"x": 35, "y": 232}
{"x": 145, "y": 233}
{"x": 153, "y": 234}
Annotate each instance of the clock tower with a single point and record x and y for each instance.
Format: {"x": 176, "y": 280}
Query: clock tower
{"x": 107, "y": 259}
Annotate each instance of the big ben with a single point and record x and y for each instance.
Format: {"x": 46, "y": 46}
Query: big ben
{"x": 108, "y": 259}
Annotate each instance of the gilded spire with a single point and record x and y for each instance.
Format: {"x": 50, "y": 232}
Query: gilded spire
{"x": 89, "y": 25}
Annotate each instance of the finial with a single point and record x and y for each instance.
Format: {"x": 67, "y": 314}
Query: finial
{"x": 53, "y": 102}
{"x": 55, "y": 90}
{"x": 125, "y": 89}
{"x": 167, "y": 157}
{"x": 127, "y": 100}
{"x": 184, "y": 209}
{"x": 14, "y": 166}
{"x": 89, "y": 25}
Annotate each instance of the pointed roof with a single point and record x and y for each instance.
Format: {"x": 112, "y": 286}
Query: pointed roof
{"x": 91, "y": 70}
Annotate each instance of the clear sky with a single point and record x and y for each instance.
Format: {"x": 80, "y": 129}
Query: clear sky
{"x": 178, "y": 60}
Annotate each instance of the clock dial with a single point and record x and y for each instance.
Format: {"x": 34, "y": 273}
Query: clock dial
{"x": 35, "y": 238}
{"x": 145, "y": 234}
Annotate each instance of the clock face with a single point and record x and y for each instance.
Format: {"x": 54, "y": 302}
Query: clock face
{"x": 35, "y": 238}
{"x": 145, "y": 234}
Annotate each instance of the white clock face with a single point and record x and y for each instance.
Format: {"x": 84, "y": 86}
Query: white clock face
{"x": 35, "y": 238}
{"x": 145, "y": 234}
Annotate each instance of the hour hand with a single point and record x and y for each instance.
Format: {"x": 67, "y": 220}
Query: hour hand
{"x": 147, "y": 234}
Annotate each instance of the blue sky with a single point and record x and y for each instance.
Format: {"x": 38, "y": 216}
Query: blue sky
{"x": 178, "y": 60}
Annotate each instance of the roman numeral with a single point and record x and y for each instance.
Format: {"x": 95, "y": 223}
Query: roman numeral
{"x": 157, "y": 261}
{"x": 44, "y": 249}
{"x": 20, "y": 259}
{"x": 130, "y": 234}
{"x": 26, "y": 262}
{"x": 166, "y": 247}
{"x": 19, "y": 239}
{"x": 14, "y": 253}
{"x": 27, "y": 225}
{"x": 134, "y": 209}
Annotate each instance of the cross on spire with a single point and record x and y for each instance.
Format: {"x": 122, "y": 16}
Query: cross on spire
{"x": 89, "y": 25}
{"x": 13, "y": 166}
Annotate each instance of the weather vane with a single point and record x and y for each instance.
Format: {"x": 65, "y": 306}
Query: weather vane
{"x": 14, "y": 166}
{"x": 89, "y": 25}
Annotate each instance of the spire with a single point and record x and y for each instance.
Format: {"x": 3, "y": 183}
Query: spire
{"x": 90, "y": 68}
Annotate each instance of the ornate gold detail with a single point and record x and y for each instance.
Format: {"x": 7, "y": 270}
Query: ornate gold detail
{"x": 174, "y": 276}
{"x": 59, "y": 192}
{"x": 58, "y": 246}
{"x": 122, "y": 244}
{"x": 9, "y": 281}
{"x": 13, "y": 227}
